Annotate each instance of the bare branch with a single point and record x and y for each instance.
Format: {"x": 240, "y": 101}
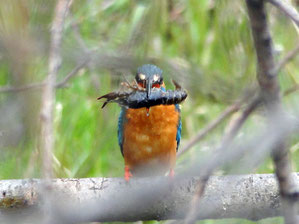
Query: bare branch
{"x": 291, "y": 90}
{"x": 289, "y": 56}
{"x": 232, "y": 109}
{"x": 247, "y": 95}
{"x": 288, "y": 9}
{"x": 267, "y": 78}
{"x": 236, "y": 123}
{"x": 33, "y": 86}
{"x": 111, "y": 199}
{"x": 78, "y": 37}
{"x": 36, "y": 86}
{"x": 48, "y": 95}
{"x": 75, "y": 71}
{"x": 212, "y": 125}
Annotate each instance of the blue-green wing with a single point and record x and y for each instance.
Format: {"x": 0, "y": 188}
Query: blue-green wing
{"x": 120, "y": 131}
{"x": 179, "y": 128}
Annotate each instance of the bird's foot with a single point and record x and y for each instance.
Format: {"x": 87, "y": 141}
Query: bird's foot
{"x": 127, "y": 173}
{"x": 171, "y": 174}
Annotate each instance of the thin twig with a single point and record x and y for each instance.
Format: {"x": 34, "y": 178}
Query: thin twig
{"x": 212, "y": 125}
{"x": 198, "y": 194}
{"x": 270, "y": 92}
{"x": 78, "y": 37}
{"x": 288, "y": 57}
{"x": 291, "y": 90}
{"x": 288, "y": 9}
{"x": 235, "y": 124}
{"x": 48, "y": 95}
{"x": 87, "y": 52}
{"x": 75, "y": 71}
{"x": 33, "y": 86}
{"x": 38, "y": 85}
{"x": 227, "y": 112}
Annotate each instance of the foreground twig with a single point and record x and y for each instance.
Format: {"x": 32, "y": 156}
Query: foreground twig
{"x": 48, "y": 95}
{"x": 267, "y": 78}
{"x": 288, "y": 9}
{"x": 234, "y": 127}
{"x": 111, "y": 199}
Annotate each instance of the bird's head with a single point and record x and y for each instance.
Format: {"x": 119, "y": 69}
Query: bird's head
{"x": 149, "y": 76}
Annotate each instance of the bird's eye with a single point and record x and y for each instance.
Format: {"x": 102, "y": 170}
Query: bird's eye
{"x": 157, "y": 81}
{"x": 156, "y": 78}
{"x": 141, "y": 77}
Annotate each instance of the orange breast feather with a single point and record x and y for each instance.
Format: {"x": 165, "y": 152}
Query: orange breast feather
{"x": 150, "y": 141}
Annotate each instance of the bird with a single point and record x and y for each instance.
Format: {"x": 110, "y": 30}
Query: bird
{"x": 149, "y": 137}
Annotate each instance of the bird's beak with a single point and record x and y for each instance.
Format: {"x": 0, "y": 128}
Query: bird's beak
{"x": 148, "y": 87}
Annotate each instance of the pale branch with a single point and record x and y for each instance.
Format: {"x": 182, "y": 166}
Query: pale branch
{"x": 48, "y": 94}
{"x": 252, "y": 197}
{"x": 270, "y": 93}
{"x": 288, "y": 9}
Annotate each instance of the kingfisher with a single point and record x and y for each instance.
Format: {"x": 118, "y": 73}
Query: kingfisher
{"x": 149, "y": 137}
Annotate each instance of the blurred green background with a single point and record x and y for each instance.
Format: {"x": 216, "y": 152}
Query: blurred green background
{"x": 205, "y": 45}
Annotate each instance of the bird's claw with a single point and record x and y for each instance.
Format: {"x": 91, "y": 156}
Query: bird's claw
{"x": 128, "y": 174}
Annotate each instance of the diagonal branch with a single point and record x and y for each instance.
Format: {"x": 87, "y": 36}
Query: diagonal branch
{"x": 291, "y": 90}
{"x": 288, "y": 57}
{"x": 288, "y": 9}
{"x": 211, "y": 126}
{"x": 32, "y": 86}
{"x": 235, "y": 124}
{"x": 206, "y": 173}
{"x": 72, "y": 73}
{"x": 39, "y": 85}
